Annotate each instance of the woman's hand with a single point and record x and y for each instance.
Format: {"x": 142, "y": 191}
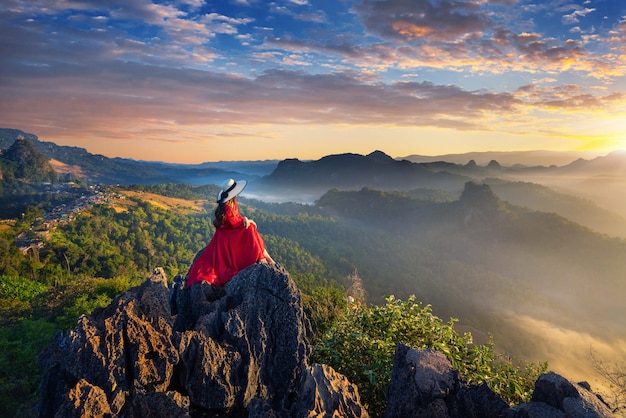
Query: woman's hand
{"x": 267, "y": 257}
{"x": 247, "y": 222}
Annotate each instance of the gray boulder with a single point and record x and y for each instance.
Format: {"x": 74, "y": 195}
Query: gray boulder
{"x": 424, "y": 384}
{"x": 238, "y": 350}
{"x": 555, "y": 396}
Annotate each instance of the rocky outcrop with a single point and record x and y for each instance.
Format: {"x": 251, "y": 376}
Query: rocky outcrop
{"x": 424, "y": 384}
{"x": 479, "y": 204}
{"x": 240, "y": 350}
{"x": 555, "y": 396}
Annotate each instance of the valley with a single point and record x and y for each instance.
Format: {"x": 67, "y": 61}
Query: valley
{"x": 533, "y": 257}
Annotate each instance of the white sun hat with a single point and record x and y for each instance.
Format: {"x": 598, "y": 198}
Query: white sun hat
{"x": 230, "y": 189}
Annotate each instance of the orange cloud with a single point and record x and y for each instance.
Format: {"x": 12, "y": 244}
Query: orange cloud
{"x": 411, "y": 30}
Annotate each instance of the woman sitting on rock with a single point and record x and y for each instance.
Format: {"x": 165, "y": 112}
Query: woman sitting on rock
{"x": 235, "y": 245}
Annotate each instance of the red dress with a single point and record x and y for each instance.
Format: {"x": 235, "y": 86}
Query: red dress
{"x": 232, "y": 248}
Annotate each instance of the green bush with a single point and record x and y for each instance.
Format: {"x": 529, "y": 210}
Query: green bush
{"x": 324, "y": 307}
{"x": 12, "y": 287}
{"x": 361, "y": 345}
{"x": 16, "y": 294}
{"x": 20, "y": 372}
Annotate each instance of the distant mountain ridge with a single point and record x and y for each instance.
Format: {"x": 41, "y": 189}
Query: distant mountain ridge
{"x": 600, "y": 179}
{"x": 509, "y": 158}
{"x": 96, "y": 168}
{"x": 354, "y": 171}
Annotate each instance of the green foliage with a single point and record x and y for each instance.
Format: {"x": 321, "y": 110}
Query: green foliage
{"x": 515, "y": 383}
{"x": 361, "y": 345}
{"x": 23, "y": 161}
{"x": 324, "y": 306}
{"x": 106, "y": 243}
{"x": 20, "y": 372}
{"x": 19, "y": 288}
{"x": 82, "y": 305}
{"x": 63, "y": 304}
{"x": 16, "y": 293}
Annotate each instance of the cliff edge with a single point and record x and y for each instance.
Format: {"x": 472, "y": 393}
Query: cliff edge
{"x": 240, "y": 350}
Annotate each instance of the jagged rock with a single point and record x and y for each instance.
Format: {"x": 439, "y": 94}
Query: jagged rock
{"x": 562, "y": 398}
{"x": 326, "y": 390}
{"x": 121, "y": 349}
{"x": 85, "y": 400}
{"x": 535, "y": 410}
{"x": 258, "y": 324}
{"x": 239, "y": 350}
{"x": 169, "y": 404}
{"x": 424, "y": 384}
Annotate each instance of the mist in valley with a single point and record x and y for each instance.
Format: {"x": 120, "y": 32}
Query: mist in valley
{"x": 538, "y": 262}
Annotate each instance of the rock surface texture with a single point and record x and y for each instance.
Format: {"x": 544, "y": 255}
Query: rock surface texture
{"x": 424, "y": 384}
{"x": 238, "y": 351}
{"x": 242, "y": 351}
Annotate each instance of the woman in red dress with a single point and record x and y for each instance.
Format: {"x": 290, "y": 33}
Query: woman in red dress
{"x": 235, "y": 245}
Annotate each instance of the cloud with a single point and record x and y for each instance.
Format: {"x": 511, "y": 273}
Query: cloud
{"x": 439, "y": 20}
{"x": 471, "y": 35}
{"x": 573, "y": 17}
{"x": 128, "y": 63}
{"x": 569, "y": 97}
{"x": 307, "y": 15}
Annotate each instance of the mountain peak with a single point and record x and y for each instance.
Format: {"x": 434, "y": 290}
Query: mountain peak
{"x": 493, "y": 164}
{"x": 24, "y": 161}
{"x": 479, "y": 202}
{"x": 380, "y": 156}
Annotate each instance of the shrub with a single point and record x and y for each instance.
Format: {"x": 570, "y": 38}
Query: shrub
{"x": 361, "y": 345}
{"x": 323, "y": 308}
{"x": 20, "y": 372}
{"x": 12, "y": 287}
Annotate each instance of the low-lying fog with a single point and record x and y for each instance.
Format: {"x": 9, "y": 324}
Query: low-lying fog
{"x": 571, "y": 311}
{"x": 568, "y": 351}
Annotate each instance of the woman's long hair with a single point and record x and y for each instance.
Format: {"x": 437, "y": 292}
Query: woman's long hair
{"x": 224, "y": 211}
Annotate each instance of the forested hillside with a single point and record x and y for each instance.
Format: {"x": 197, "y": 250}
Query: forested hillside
{"x": 99, "y": 169}
{"x": 493, "y": 265}
{"x": 85, "y": 262}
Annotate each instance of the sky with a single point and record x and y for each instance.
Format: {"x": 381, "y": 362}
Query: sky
{"x": 192, "y": 81}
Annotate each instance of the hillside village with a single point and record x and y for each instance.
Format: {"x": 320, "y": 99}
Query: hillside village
{"x": 40, "y": 229}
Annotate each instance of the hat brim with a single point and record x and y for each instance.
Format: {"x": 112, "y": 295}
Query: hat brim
{"x": 239, "y": 186}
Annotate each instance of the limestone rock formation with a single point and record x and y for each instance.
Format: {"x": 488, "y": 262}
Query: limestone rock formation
{"x": 479, "y": 203}
{"x": 555, "y": 396}
{"x": 240, "y": 350}
{"x": 424, "y": 384}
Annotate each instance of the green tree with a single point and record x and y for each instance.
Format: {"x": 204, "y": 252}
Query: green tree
{"x": 324, "y": 306}
{"x": 20, "y": 372}
{"x": 361, "y": 345}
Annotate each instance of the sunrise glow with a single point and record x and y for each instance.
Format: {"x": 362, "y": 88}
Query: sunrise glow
{"x": 194, "y": 81}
